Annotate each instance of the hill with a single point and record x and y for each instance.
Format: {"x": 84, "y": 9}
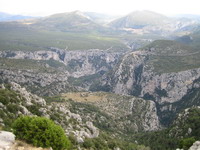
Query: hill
{"x": 139, "y": 19}
{"x": 17, "y": 101}
{"x": 73, "y": 21}
{"x": 170, "y": 56}
{"x": 26, "y": 37}
{"x": 182, "y": 134}
{"x": 100, "y": 18}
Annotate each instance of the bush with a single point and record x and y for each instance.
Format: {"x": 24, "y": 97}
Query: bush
{"x": 40, "y": 132}
{"x": 186, "y": 143}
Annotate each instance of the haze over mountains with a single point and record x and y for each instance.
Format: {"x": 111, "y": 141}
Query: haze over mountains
{"x": 130, "y": 78}
{"x": 10, "y": 17}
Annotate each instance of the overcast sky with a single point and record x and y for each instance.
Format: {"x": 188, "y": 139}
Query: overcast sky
{"x": 113, "y": 7}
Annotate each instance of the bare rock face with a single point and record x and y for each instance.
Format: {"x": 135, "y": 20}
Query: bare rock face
{"x": 169, "y": 87}
{"x": 31, "y": 104}
{"x": 120, "y": 112}
{"x": 6, "y": 140}
{"x": 29, "y": 97}
{"x": 135, "y": 76}
{"x": 42, "y": 83}
{"x": 80, "y": 63}
{"x": 195, "y": 146}
{"x": 77, "y": 64}
{"x": 77, "y": 127}
{"x": 127, "y": 76}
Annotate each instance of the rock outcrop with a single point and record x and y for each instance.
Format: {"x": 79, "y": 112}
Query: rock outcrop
{"x": 76, "y": 64}
{"x": 195, "y": 146}
{"x": 116, "y": 112}
{"x": 79, "y": 63}
{"x": 134, "y": 75}
{"x": 7, "y": 139}
{"x": 26, "y": 103}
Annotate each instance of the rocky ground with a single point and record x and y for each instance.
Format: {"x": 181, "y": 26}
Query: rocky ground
{"x": 6, "y": 140}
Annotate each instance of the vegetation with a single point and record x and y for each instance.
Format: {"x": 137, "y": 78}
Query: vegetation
{"x": 105, "y": 142}
{"x": 186, "y": 143}
{"x": 170, "y": 56}
{"x": 182, "y": 134}
{"x": 10, "y": 100}
{"x": 40, "y": 132}
{"x": 167, "y": 64}
{"x": 21, "y": 37}
{"x": 49, "y": 66}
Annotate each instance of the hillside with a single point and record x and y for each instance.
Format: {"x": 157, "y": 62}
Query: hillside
{"x": 154, "y": 24}
{"x": 18, "y": 36}
{"x": 110, "y": 87}
{"x": 109, "y": 112}
{"x": 182, "y": 134}
{"x": 170, "y": 56}
{"x": 74, "y": 22}
{"x": 16, "y": 101}
{"x": 139, "y": 19}
{"x": 191, "y": 39}
{"x": 164, "y": 71}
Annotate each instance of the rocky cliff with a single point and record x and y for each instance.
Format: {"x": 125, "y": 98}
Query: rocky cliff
{"x": 78, "y": 63}
{"x": 114, "y": 112}
{"x": 135, "y": 75}
{"x": 16, "y": 101}
{"x": 52, "y": 69}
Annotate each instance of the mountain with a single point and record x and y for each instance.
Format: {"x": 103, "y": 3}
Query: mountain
{"x": 26, "y": 36}
{"x": 130, "y": 81}
{"x": 83, "y": 122}
{"x": 192, "y": 39}
{"x": 153, "y": 24}
{"x": 165, "y": 72}
{"x": 100, "y": 18}
{"x": 74, "y": 21}
{"x": 139, "y": 19}
{"x": 180, "y": 135}
{"x": 189, "y": 16}
{"x": 10, "y": 17}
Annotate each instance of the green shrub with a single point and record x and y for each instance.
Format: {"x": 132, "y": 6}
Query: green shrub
{"x": 40, "y": 132}
{"x": 186, "y": 143}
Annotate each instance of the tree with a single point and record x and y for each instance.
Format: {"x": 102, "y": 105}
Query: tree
{"x": 40, "y": 132}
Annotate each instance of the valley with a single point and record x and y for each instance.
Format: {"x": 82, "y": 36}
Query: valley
{"x": 119, "y": 85}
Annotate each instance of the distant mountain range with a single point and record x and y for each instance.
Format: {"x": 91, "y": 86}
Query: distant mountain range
{"x": 10, "y": 17}
{"x": 139, "y": 19}
{"x": 73, "y": 21}
{"x": 129, "y": 30}
{"x": 138, "y": 22}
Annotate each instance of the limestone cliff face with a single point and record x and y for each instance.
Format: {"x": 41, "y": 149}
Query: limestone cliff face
{"x": 126, "y": 113}
{"x": 135, "y": 76}
{"x": 131, "y": 74}
{"x": 126, "y": 77}
{"x": 79, "y": 63}
{"x": 169, "y": 87}
{"x": 39, "y": 83}
{"x": 76, "y": 64}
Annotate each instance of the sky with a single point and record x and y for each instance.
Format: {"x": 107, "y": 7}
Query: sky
{"x": 112, "y": 7}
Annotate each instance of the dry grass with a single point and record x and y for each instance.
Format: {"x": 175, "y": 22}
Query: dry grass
{"x": 20, "y": 145}
{"x": 85, "y": 96}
